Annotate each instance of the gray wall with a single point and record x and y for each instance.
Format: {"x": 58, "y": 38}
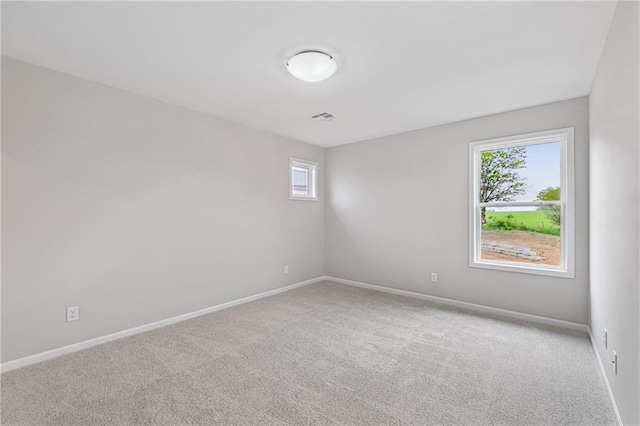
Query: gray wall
{"x": 615, "y": 208}
{"x": 397, "y": 208}
{"x": 137, "y": 211}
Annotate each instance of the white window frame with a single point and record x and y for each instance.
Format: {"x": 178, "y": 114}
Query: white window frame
{"x": 313, "y": 175}
{"x": 567, "y": 226}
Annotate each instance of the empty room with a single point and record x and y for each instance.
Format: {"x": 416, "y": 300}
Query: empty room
{"x": 349, "y": 213}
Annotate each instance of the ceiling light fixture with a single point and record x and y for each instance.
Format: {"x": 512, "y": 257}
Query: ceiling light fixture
{"x": 312, "y": 66}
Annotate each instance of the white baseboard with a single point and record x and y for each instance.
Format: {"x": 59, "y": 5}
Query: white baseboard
{"x": 43, "y": 356}
{"x": 603, "y": 372}
{"x": 466, "y": 305}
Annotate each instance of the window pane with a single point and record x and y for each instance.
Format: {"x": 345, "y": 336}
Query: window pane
{"x": 523, "y": 173}
{"x": 300, "y": 181}
{"x": 528, "y": 235}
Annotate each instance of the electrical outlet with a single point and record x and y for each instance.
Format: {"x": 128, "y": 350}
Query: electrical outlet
{"x": 606, "y": 340}
{"x": 614, "y": 361}
{"x": 286, "y": 269}
{"x": 73, "y": 313}
{"x": 434, "y": 277}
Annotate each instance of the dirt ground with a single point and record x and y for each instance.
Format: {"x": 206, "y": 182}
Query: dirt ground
{"x": 547, "y": 246}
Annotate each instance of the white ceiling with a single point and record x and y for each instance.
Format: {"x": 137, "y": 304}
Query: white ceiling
{"x": 402, "y": 66}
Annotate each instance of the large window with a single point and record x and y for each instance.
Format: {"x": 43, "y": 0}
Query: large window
{"x": 521, "y": 200}
{"x": 303, "y": 180}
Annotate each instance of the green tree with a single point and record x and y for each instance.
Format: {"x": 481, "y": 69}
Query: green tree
{"x": 552, "y": 212}
{"x": 499, "y": 178}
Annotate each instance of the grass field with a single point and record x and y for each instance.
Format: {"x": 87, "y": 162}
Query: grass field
{"x": 534, "y": 221}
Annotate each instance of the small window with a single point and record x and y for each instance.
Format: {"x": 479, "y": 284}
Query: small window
{"x": 521, "y": 200}
{"x": 303, "y": 177}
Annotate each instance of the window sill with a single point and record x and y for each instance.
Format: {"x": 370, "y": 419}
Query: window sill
{"x": 303, "y": 198}
{"x": 518, "y": 268}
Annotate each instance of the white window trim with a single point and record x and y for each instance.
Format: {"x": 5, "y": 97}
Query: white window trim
{"x": 314, "y": 180}
{"x": 567, "y": 235}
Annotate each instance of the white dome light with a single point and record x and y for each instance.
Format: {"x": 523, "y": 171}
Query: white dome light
{"x": 312, "y": 66}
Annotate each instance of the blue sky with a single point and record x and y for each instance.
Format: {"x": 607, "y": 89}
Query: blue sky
{"x": 542, "y": 170}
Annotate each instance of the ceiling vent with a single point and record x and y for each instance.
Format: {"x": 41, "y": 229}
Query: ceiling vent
{"x": 323, "y": 116}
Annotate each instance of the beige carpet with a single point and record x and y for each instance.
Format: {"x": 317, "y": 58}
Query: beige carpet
{"x": 321, "y": 354}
